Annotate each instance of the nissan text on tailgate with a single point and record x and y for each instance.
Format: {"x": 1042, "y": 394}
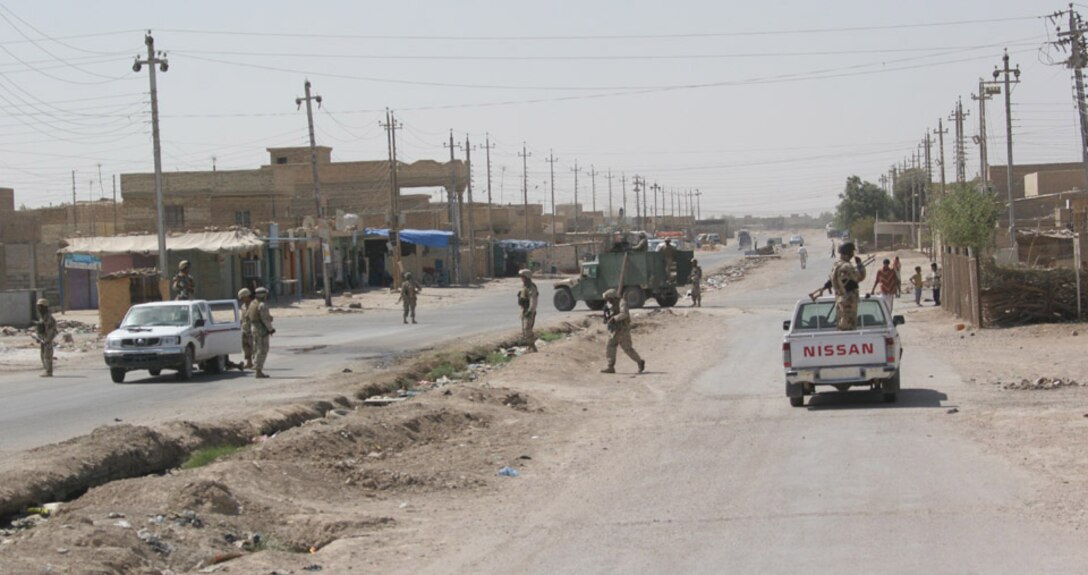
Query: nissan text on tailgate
{"x": 815, "y": 352}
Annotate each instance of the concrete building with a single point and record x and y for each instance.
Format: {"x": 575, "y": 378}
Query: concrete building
{"x": 998, "y": 177}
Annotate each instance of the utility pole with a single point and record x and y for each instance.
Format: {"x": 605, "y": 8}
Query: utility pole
{"x": 391, "y": 126}
{"x": 593, "y": 187}
{"x": 471, "y": 211}
{"x": 576, "y": 169}
{"x": 698, "y": 205}
{"x": 657, "y": 219}
{"x": 961, "y": 160}
{"x": 115, "y": 204}
{"x": 490, "y": 224}
{"x": 75, "y": 211}
{"x": 1008, "y": 136}
{"x": 551, "y": 168}
{"x": 155, "y": 60}
{"x": 623, "y": 199}
{"x": 640, "y": 222}
{"x": 326, "y": 249}
{"x": 941, "y": 131}
{"x": 1074, "y": 39}
{"x": 985, "y": 92}
{"x": 524, "y": 155}
{"x": 454, "y": 212}
{"x": 609, "y": 178}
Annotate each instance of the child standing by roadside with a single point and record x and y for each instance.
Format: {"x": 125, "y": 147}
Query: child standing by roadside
{"x": 917, "y": 281}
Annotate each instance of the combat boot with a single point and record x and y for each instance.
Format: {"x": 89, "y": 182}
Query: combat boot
{"x": 609, "y": 369}
{"x": 641, "y": 365}
{"x": 261, "y": 374}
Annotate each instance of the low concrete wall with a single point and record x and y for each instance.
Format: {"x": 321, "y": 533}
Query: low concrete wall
{"x": 17, "y": 307}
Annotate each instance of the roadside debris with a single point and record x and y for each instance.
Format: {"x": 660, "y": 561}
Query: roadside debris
{"x": 1039, "y": 383}
{"x": 508, "y": 472}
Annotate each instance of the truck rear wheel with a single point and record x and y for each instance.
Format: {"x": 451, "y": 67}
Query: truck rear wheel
{"x": 595, "y": 304}
{"x": 563, "y": 299}
{"x": 117, "y": 374}
{"x": 891, "y": 387}
{"x": 668, "y": 298}
{"x": 797, "y": 401}
{"x": 635, "y": 297}
{"x": 154, "y": 372}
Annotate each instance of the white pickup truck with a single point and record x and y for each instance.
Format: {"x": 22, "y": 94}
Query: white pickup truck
{"x": 815, "y": 352}
{"x": 175, "y": 335}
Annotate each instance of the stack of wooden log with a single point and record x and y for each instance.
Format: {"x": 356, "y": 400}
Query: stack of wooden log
{"x": 1019, "y": 296}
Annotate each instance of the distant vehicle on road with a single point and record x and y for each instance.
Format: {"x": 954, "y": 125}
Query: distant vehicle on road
{"x": 816, "y": 353}
{"x": 175, "y": 335}
{"x": 744, "y": 240}
{"x": 797, "y": 240}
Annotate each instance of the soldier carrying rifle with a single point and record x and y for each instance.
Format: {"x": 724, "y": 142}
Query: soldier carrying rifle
{"x": 846, "y": 277}
{"x": 45, "y": 331}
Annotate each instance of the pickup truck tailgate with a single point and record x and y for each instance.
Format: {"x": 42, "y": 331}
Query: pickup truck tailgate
{"x": 837, "y": 349}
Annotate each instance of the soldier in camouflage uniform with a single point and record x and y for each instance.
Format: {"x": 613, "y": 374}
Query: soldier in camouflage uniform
{"x": 247, "y": 326}
{"x": 408, "y": 292}
{"x": 527, "y": 298}
{"x": 696, "y": 284}
{"x": 619, "y": 331}
{"x": 45, "y": 331}
{"x": 183, "y": 283}
{"x": 261, "y": 320}
{"x": 846, "y": 277}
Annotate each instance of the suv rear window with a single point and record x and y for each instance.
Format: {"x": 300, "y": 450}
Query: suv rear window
{"x": 821, "y": 315}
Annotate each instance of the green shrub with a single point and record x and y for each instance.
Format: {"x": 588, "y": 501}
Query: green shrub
{"x": 202, "y": 457}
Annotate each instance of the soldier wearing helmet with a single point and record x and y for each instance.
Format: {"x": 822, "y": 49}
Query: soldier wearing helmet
{"x": 619, "y": 331}
{"x": 527, "y": 298}
{"x": 183, "y": 285}
{"x": 247, "y": 326}
{"x": 696, "y": 284}
{"x": 261, "y": 321}
{"x": 846, "y": 277}
{"x": 45, "y": 331}
{"x": 408, "y": 292}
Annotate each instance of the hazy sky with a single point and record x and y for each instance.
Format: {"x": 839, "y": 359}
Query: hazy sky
{"x": 766, "y": 107}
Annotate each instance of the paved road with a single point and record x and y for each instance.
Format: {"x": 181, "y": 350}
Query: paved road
{"x": 725, "y": 477}
{"x": 34, "y": 411}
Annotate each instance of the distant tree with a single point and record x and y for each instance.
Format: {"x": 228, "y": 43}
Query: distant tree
{"x": 910, "y": 183}
{"x": 861, "y": 199}
{"x": 965, "y": 216}
{"x": 862, "y": 230}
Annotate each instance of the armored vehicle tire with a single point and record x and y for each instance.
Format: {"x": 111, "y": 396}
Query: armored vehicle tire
{"x": 891, "y": 397}
{"x": 635, "y": 297}
{"x": 797, "y": 401}
{"x": 117, "y": 374}
{"x": 154, "y": 372}
{"x": 563, "y": 299}
{"x": 668, "y": 299}
{"x": 891, "y": 388}
{"x": 595, "y": 305}
{"x": 185, "y": 370}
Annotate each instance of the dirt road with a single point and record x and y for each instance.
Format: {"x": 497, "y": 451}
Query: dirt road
{"x": 698, "y": 466}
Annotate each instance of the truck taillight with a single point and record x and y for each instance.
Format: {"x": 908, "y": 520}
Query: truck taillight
{"x": 889, "y": 349}
{"x": 786, "y": 354}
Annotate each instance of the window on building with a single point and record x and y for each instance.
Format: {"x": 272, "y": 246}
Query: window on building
{"x": 281, "y": 160}
{"x": 175, "y": 216}
{"x": 242, "y": 218}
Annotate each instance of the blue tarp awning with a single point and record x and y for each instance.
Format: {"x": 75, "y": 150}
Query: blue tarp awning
{"x": 429, "y": 238}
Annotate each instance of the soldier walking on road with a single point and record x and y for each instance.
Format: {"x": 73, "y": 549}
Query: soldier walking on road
{"x": 45, "y": 331}
{"x": 846, "y": 277}
{"x": 408, "y": 292}
{"x": 247, "y": 326}
{"x": 261, "y": 321}
{"x": 183, "y": 283}
{"x": 619, "y": 331}
{"x": 527, "y": 297}
{"x": 696, "y": 284}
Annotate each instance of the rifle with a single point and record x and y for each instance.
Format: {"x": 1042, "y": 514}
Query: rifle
{"x": 619, "y": 290}
{"x": 827, "y": 286}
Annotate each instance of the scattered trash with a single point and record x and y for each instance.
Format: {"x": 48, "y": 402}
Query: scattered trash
{"x": 123, "y": 524}
{"x": 346, "y": 370}
{"x": 312, "y": 567}
{"x": 514, "y": 400}
{"x": 251, "y": 542}
{"x": 355, "y": 305}
{"x": 526, "y": 457}
{"x": 508, "y": 472}
{"x": 154, "y": 541}
{"x": 381, "y": 400}
{"x": 115, "y": 515}
{"x": 1040, "y": 383}
{"x": 953, "y": 410}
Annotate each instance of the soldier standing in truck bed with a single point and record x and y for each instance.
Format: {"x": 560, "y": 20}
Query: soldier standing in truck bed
{"x": 846, "y": 277}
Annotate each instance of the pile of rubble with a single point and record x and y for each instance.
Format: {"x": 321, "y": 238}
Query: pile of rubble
{"x": 1039, "y": 383}
{"x": 730, "y": 274}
